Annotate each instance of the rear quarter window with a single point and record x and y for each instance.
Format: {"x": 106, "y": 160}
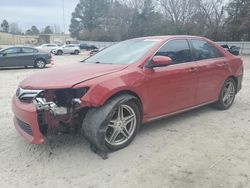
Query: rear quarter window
{"x": 204, "y": 50}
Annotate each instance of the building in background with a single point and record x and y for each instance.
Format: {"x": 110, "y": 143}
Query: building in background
{"x": 11, "y": 39}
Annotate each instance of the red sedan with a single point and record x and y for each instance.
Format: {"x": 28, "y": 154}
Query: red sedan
{"x": 110, "y": 95}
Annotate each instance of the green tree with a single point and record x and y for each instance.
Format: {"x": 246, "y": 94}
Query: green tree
{"x": 47, "y": 30}
{"x": 32, "y": 31}
{"x": 87, "y": 15}
{"x": 238, "y": 19}
{"x": 146, "y": 21}
{"x": 5, "y": 26}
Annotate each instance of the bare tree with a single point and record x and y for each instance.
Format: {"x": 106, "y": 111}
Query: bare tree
{"x": 178, "y": 12}
{"x": 214, "y": 16}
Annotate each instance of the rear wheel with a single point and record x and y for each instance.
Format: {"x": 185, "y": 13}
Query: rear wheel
{"x": 227, "y": 95}
{"x": 40, "y": 63}
{"x": 76, "y": 52}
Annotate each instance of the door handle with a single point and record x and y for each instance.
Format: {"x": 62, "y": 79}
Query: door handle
{"x": 222, "y": 64}
{"x": 192, "y": 69}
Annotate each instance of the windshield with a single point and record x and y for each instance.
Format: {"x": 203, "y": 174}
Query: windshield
{"x": 126, "y": 52}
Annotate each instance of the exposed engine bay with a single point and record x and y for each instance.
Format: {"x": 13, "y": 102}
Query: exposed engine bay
{"x": 55, "y": 108}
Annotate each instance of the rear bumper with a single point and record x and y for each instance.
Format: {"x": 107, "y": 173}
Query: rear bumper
{"x": 239, "y": 82}
{"x": 26, "y": 122}
{"x": 48, "y": 61}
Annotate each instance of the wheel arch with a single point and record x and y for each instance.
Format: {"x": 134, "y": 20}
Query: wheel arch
{"x": 129, "y": 92}
{"x": 38, "y": 58}
{"x": 90, "y": 99}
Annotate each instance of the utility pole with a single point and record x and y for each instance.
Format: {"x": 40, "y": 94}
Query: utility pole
{"x": 63, "y": 14}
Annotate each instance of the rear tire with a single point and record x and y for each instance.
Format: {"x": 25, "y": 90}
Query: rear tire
{"x": 59, "y": 52}
{"x": 76, "y": 52}
{"x": 40, "y": 63}
{"x": 227, "y": 95}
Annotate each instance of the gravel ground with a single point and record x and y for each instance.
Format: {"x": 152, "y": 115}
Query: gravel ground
{"x": 201, "y": 148}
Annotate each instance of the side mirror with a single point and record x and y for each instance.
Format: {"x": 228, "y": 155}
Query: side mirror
{"x": 4, "y": 54}
{"x": 161, "y": 61}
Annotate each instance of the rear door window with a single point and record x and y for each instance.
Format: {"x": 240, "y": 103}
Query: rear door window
{"x": 29, "y": 50}
{"x": 204, "y": 50}
{"x": 178, "y": 50}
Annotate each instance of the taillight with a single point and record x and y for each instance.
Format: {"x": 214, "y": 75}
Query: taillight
{"x": 52, "y": 60}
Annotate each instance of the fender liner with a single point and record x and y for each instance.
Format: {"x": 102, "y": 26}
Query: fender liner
{"x": 95, "y": 122}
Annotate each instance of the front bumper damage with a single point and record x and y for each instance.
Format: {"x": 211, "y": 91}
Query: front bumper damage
{"x": 35, "y": 116}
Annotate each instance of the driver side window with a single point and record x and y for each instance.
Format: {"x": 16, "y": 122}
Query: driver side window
{"x": 177, "y": 50}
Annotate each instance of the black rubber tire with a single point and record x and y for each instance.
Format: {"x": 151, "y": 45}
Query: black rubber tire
{"x": 95, "y": 123}
{"x": 59, "y": 52}
{"x": 36, "y": 65}
{"x": 220, "y": 104}
{"x": 76, "y": 52}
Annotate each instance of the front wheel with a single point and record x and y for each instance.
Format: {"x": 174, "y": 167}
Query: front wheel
{"x": 227, "y": 95}
{"x": 123, "y": 126}
{"x": 114, "y": 125}
{"x": 59, "y": 52}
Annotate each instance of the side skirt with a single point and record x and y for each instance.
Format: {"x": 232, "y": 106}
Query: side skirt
{"x": 179, "y": 112}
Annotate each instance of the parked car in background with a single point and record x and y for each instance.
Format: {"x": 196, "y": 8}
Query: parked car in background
{"x": 66, "y": 49}
{"x": 23, "y": 57}
{"x": 47, "y": 47}
{"x": 87, "y": 47}
{"x": 235, "y": 50}
{"x": 95, "y": 51}
{"x": 111, "y": 94}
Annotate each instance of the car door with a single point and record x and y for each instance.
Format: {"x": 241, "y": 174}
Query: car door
{"x": 10, "y": 57}
{"x": 212, "y": 70}
{"x": 28, "y": 56}
{"x": 51, "y": 47}
{"x": 172, "y": 88}
{"x": 66, "y": 49}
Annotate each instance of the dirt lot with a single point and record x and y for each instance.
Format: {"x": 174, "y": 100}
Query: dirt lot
{"x": 201, "y": 148}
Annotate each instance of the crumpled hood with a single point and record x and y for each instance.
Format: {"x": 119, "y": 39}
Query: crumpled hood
{"x": 69, "y": 75}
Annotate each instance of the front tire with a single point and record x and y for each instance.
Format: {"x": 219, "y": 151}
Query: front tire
{"x": 108, "y": 131}
{"x": 123, "y": 126}
{"x": 227, "y": 95}
{"x": 59, "y": 52}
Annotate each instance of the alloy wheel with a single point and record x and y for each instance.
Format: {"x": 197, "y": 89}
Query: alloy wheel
{"x": 122, "y": 126}
{"x": 228, "y": 93}
{"x": 40, "y": 64}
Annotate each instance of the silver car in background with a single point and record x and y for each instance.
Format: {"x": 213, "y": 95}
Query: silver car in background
{"x": 66, "y": 49}
{"x": 47, "y": 47}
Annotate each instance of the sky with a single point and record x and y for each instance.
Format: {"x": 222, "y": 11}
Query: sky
{"x": 37, "y": 12}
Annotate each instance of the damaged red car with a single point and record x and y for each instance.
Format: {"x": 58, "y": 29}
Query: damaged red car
{"x": 108, "y": 96}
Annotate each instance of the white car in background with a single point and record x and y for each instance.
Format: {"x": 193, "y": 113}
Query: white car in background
{"x": 47, "y": 47}
{"x": 66, "y": 49}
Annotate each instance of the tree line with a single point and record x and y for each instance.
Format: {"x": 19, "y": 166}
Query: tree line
{"x": 115, "y": 20}
{"x": 15, "y": 29}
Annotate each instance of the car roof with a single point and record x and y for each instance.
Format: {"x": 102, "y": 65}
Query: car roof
{"x": 166, "y": 37}
{"x": 17, "y": 47}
